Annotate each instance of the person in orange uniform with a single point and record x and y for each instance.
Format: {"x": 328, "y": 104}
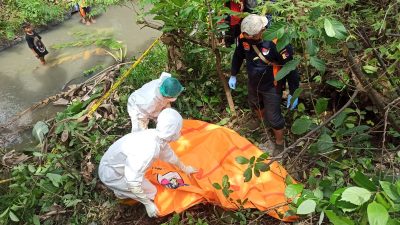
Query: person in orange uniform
{"x": 263, "y": 61}
{"x": 234, "y": 21}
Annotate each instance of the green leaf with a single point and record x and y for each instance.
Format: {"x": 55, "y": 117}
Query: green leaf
{"x": 318, "y": 64}
{"x": 261, "y": 166}
{"x": 252, "y": 159}
{"x": 280, "y": 33}
{"x": 346, "y": 206}
{"x": 398, "y": 182}
{"x": 263, "y": 157}
{"x": 283, "y": 41}
{"x": 358, "y": 129}
{"x": 315, "y": 13}
{"x": 31, "y": 168}
{"x": 338, "y": 121}
{"x": 306, "y": 207}
{"x": 92, "y": 97}
{"x": 322, "y": 105}
{"x": 225, "y": 192}
{"x": 292, "y": 190}
{"x": 334, "y": 29}
{"x": 217, "y": 186}
{"x": 356, "y": 195}
{"x": 340, "y": 30}
{"x": 178, "y": 3}
{"x": 295, "y": 95}
{"x": 59, "y": 128}
{"x": 75, "y": 107}
{"x": 55, "y": 178}
{"x": 324, "y": 143}
{"x": 288, "y": 180}
{"x": 271, "y": 33}
{"x": 370, "y": 69}
{"x": 311, "y": 47}
{"x": 175, "y": 219}
{"x": 225, "y": 181}
{"x": 287, "y": 68}
{"x": 313, "y": 32}
{"x": 301, "y": 125}
{"x": 318, "y": 194}
{"x": 363, "y": 181}
{"x": 247, "y": 175}
{"x": 4, "y": 213}
{"x": 71, "y": 202}
{"x": 336, "y": 220}
{"x": 336, "y": 83}
{"x": 197, "y": 50}
{"x": 390, "y": 190}
{"x": 377, "y": 214}
{"x": 321, "y": 218}
{"x": 39, "y": 131}
{"x": 223, "y": 122}
{"x": 256, "y": 172}
{"x": 35, "y": 220}
{"x": 329, "y": 28}
{"x": 241, "y": 160}
{"x": 13, "y": 217}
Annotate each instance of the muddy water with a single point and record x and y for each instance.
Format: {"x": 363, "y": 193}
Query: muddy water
{"x": 23, "y": 81}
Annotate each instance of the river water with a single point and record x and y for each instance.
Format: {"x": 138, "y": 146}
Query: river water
{"x": 24, "y": 82}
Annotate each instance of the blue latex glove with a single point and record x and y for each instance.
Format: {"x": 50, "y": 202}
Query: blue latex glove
{"x": 295, "y": 102}
{"x": 232, "y": 82}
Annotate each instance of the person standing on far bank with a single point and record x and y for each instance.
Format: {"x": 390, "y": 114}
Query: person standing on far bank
{"x": 35, "y": 43}
{"x": 84, "y": 10}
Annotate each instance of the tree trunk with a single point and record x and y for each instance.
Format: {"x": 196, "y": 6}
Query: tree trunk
{"x": 174, "y": 52}
{"x": 217, "y": 54}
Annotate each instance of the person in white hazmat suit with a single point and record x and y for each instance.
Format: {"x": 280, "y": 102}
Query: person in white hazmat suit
{"x": 148, "y": 101}
{"x": 124, "y": 164}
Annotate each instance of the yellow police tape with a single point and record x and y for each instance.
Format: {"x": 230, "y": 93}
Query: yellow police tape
{"x": 121, "y": 79}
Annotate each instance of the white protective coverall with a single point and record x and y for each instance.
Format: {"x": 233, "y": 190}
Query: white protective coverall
{"x": 147, "y": 102}
{"x": 123, "y": 166}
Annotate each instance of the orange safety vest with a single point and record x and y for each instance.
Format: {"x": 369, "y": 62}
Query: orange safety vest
{"x": 275, "y": 68}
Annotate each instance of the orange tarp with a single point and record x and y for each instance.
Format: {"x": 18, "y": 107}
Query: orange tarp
{"x": 213, "y": 149}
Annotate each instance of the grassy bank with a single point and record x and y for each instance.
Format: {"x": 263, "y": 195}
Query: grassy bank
{"x": 41, "y": 14}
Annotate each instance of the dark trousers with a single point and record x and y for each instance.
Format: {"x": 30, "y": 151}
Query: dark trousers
{"x": 270, "y": 102}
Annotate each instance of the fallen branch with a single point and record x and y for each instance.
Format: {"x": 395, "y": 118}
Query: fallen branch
{"x": 393, "y": 35}
{"x": 52, "y": 213}
{"x": 373, "y": 95}
{"x": 6, "y": 180}
{"x": 377, "y": 55}
{"x": 277, "y": 206}
{"x": 273, "y": 159}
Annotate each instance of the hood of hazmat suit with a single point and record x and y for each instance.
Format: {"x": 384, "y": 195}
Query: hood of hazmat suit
{"x": 130, "y": 156}
{"x": 147, "y": 101}
{"x": 169, "y": 125}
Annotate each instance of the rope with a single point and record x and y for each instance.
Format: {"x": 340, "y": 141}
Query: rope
{"x": 121, "y": 79}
